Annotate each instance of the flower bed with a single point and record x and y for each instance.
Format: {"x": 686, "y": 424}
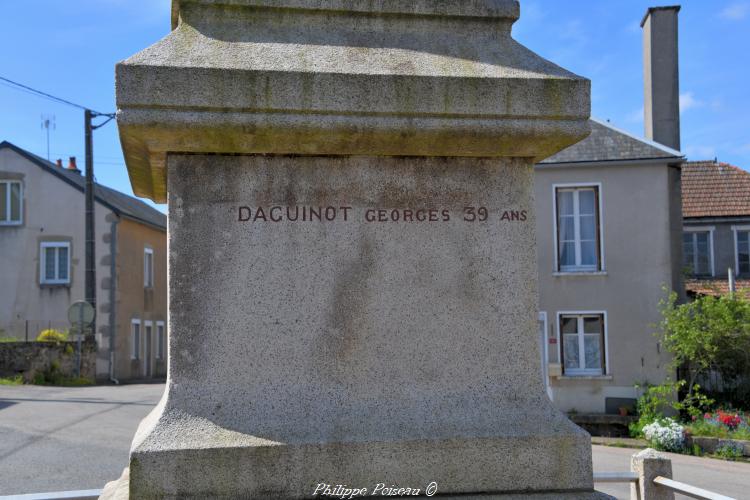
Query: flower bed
{"x": 722, "y": 424}
{"x": 725, "y": 433}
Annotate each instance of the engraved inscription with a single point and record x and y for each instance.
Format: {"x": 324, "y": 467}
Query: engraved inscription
{"x": 341, "y": 213}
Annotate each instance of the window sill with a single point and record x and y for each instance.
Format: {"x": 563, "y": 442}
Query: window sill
{"x": 54, "y": 285}
{"x": 580, "y": 273}
{"x": 584, "y": 377}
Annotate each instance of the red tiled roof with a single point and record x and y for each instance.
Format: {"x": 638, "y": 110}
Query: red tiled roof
{"x": 717, "y": 287}
{"x": 711, "y": 189}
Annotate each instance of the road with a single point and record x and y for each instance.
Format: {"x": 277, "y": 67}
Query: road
{"x": 720, "y": 476}
{"x": 56, "y": 439}
{"x": 60, "y": 438}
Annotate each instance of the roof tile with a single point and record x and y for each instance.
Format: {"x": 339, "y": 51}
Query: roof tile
{"x": 712, "y": 189}
{"x": 716, "y": 287}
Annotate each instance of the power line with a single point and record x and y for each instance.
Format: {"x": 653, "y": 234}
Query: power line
{"x": 39, "y": 93}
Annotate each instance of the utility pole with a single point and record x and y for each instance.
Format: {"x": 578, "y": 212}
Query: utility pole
{"x": 89, "y": 220}
{"x": 89, "y": 128}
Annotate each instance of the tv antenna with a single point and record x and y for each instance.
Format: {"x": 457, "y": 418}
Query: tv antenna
{"x": 47, "y": 123}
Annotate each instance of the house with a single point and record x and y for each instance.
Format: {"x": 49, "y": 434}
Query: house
{"x": 608, "y": 242}
{"x": 43, "y": 261}
{"x": 716, "y": 227}
{"x": 609, "y": 235}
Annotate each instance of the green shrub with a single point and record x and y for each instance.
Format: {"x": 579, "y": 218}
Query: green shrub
{"x": 15, "y": 380}
{"x": 52, "y": 335}
{"x": 729, "y": 451}
{"x": 659, "y": 399}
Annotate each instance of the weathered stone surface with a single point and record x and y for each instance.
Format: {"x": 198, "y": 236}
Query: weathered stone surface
{"x": 117, "y": 489}
{"x": 649, "y": 464}
{"x": 353, "y": 351}
{"x": 429, "y": 78}
{"x": 393, "y": 338}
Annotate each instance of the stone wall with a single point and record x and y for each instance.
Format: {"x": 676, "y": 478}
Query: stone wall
{"x": 29, "y": 358}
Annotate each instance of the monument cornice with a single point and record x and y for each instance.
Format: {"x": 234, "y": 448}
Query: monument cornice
{"x": 499, "y": 9}
{"x": 328, "y": 77}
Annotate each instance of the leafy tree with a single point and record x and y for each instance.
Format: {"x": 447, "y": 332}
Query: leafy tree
{"x": 709, "y": 334}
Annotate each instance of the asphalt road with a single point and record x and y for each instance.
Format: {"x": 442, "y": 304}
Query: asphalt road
{"x": 720, "y": 476}
{"x": 57, "y": 439}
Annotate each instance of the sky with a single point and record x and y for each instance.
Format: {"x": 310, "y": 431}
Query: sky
{"x": 70, "y": 48}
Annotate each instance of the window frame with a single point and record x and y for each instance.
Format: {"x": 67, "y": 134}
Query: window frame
{"x": 135, "y": 340}
{"x": 590, "y": 372}
{"x": 601, "y": 265}
{"x": 148, "y": 272}
{"x": 161, "y": 330}
{"x": 43, "y": 280}
{"x": 702, "y": 229}
{"x": 6, "y": 183}
{"x": 735, "y": 231}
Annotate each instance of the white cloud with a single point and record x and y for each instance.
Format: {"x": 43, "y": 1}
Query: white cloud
{"x": 735, "y": 11}
{"x": 700, "y": 152}
{"x": 634, "y": 28}
{"x": 635, "y": 116}
{"x": 688, "y": 101}
{"x": 573, "y": 31}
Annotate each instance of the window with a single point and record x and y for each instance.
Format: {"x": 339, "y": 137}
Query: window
{"x": 11, "y": 203}
{"x": 742, "y": 250}
{"x": 697, "y": 251}
{"x": 159, "y": 340}
{"x": 148, "y": 268}
{"x": 583, "y": 344}
{"x": 578, "y": 229}
{"x": 135, "y": 339}
{"x": 54, "y": 263}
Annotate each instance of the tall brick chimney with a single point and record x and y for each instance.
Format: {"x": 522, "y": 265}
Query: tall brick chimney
{"x": 661, "y": 75}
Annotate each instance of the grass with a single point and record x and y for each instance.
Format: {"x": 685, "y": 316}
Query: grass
{"x": 58, "y": 381}
{"x": 5, "y": 340}
{"x": 703, "y": 429}
{"x": 55, "y": 379}
{"x": 17, "y": 380}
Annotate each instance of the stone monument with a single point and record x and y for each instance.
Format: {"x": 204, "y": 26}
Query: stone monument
{"x": 352, "y": 265}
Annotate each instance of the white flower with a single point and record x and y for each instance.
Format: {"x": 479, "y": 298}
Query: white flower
{"x": 666, "y": 434}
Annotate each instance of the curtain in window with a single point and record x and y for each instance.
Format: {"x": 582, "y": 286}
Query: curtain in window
{"x": 583, "y": 344}
{"x": 566, "y": 228}
{"x": 587, "y": 218}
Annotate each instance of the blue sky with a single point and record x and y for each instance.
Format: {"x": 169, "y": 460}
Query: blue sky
{"x": 70, "y": 48}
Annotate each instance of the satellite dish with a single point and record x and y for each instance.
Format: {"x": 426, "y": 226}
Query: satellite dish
{"x": 81, "y": 311}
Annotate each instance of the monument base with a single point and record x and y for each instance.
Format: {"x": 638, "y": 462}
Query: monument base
{"x": 177, "y": 455}
{"x": 119, "y": 490}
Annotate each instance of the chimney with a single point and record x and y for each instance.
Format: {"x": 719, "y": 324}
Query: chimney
{"x": 58, "y": 162}
{"x": 72, "y": 165}
{"x": 661, "y": 76}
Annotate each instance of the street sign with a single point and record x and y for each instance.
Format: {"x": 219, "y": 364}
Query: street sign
{"x": 81, "y": 312}
{"x": 81, "y": 315}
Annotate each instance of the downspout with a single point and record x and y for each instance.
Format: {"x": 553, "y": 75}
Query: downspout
{"x": 112, "y": 298}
